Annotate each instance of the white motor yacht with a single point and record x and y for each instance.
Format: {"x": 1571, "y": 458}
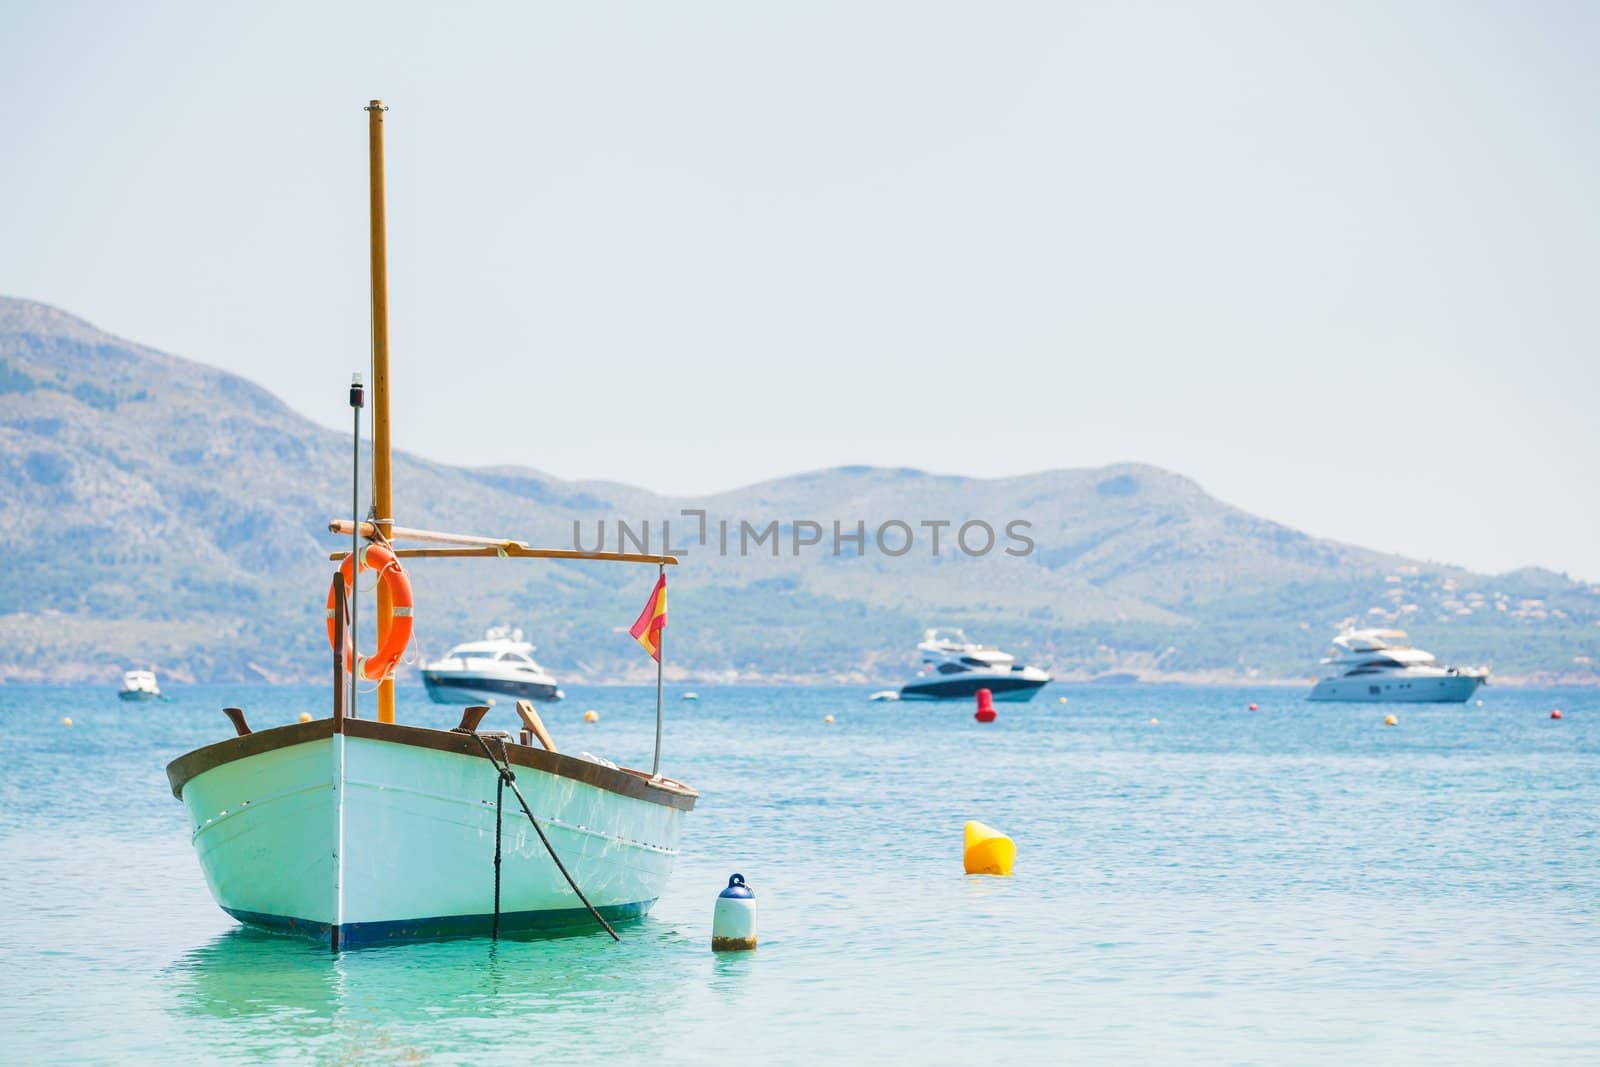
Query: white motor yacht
{"x": 139, "y": 685}
{"x": 954, "y": 667}
{"x": 1380, "y": 666}
{"x": 500, "y": 667}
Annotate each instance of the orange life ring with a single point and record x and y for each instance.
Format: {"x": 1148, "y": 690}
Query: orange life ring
{"x": 393, "y": 639}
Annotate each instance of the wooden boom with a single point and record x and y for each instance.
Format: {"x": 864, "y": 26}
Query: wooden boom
{"x": 426, "y": 537}
{"x": 516, "y": 550}
{"x": 473, "y": 546}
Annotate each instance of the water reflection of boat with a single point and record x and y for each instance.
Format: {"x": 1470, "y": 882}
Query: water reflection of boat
{"x": 246, "y": 971}
{"x": 255, "y": 996}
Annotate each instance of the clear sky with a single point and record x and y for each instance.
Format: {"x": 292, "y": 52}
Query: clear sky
{"x": 1335, "y": 261}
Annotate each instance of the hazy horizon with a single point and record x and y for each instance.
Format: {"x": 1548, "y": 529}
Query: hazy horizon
{"x": 1335, "y": 265}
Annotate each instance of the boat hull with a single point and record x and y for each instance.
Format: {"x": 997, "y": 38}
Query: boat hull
{"x": 1438, "y": 689}
{"x": 137, "y": 695}
{"x": 366, "y": 836}
{"x": 1004, "y": 688}
{"x": 447, "y": 688}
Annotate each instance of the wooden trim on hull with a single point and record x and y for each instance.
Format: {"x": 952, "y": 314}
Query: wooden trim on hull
{"x": 623, "y": 781}
{"x": 201, "y": 760}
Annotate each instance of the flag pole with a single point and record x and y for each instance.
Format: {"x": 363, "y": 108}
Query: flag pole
{"x": 655, "y": 767}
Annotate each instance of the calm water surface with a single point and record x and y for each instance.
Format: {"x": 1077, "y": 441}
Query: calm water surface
{"x": 1295, "y": 884}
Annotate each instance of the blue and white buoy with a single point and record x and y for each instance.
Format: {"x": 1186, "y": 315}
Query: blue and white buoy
{"x": 733, "y": 924}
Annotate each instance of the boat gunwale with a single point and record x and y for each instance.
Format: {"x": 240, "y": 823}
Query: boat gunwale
{"x": 623, "y": 781}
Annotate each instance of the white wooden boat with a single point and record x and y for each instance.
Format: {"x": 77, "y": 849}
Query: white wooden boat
{"x": 360, "y": 831}
{"x": 356, "y": 830}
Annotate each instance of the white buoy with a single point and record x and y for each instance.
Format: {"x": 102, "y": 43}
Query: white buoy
{"x": 733, "y": 924}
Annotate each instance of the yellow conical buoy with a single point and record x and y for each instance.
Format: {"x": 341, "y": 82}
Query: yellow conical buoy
{"x": 305, "y": 716}
{"x": 988, "y": 851}
{"x": 66, "y": 722}
{"x": 591, "y": 716}
{"x": 827, "y": 718}
{"x": 1390, "y": 720}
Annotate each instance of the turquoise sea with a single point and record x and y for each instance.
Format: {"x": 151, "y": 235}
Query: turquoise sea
{"x": 1296, "y": 884}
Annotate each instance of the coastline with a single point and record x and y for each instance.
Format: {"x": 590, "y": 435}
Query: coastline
{"x": 98, "y": 676}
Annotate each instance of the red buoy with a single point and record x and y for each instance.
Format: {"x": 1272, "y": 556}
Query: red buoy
{"x": 1556, "y": 714}
{"x": 1254, "y": 708}
{"x": 985, "y": 711}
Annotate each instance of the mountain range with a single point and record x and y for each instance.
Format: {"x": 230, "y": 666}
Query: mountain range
{"x": 160, "y": 511}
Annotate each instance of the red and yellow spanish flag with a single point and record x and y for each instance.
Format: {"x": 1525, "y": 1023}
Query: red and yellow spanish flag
{"x": 652, "y": 620}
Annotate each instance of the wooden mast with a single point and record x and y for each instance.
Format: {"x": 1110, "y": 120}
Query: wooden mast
{"x": 382, "y": 486}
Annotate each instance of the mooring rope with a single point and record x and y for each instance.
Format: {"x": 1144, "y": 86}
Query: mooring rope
{"x": 503, "y": 766}
{"x": 499, "y": 809}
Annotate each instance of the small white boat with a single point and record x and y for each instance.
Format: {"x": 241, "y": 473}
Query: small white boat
{"x": 500, "y": 667}
{"x": 954, "y": 667}
{"x": 885, "y": 694}
{"x": 1381, "y": 667}
{"x": 691, "y": 696}
{"x": 139, "y": 685}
